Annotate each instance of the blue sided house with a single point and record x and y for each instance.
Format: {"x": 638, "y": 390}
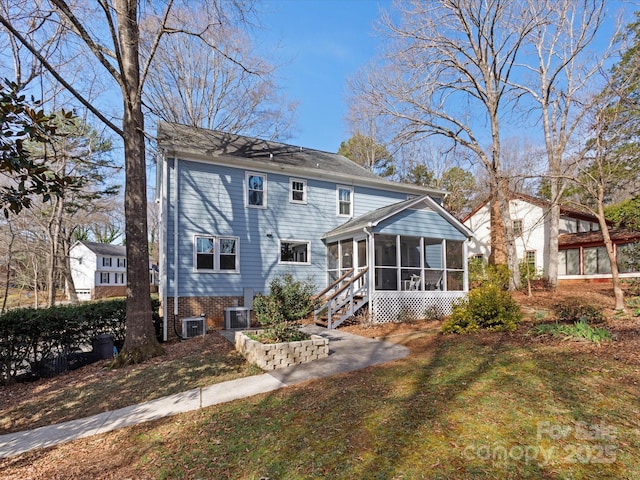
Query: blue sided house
{"x": 236, "y": 212}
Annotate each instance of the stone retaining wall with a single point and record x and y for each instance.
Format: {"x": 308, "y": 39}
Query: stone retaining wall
{"x": 270, "y": 356}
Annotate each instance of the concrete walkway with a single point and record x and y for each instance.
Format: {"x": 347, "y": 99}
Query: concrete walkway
{"x": 347, "y": 352}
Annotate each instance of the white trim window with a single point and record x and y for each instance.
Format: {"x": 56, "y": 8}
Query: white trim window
{"x": 119, "y": 278}
{"x": 297, "y": 190}
{"x": 122, "y": 262}
{"x": 106, "y": 261}
{"x": 256, "y": 190}
{"x": 104, "y": 278}
{"x": 517, "y": 227}
{"x": 295, "y": 252}
{"x": 215, "y": 254}
{"x": 344, "y": 201}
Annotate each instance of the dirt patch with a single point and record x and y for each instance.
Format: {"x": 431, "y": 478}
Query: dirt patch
{"x": 537, "y": 308}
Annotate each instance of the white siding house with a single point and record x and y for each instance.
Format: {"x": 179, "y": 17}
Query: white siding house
{"x": 581, "y": 248}
{"x": 99, "y": 270}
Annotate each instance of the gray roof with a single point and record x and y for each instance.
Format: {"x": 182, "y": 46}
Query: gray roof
{"x": 219, "y": 143}
{"x": 179, "y": 140}
{"x": 106, "y": 249}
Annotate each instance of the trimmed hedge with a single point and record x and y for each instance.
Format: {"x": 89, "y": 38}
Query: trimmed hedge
{"x": 30, "y": 337}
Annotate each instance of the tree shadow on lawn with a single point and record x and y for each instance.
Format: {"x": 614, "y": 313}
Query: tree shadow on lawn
{"x": 478, "y": 407}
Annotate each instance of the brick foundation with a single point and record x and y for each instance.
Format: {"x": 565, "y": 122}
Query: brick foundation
{"x": 212, "y": 307}
{"x": 271, "y": 356}
{"x": 108, "y": 292}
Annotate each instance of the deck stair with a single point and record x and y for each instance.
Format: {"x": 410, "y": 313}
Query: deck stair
{"x": 342, "y": 299}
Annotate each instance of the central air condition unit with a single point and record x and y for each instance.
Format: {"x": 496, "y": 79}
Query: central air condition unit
{"x": 236, "y": 317}
{"x": 194, "y": 326}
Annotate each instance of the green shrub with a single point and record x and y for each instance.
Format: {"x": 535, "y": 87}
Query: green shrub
{"x": 281, "y": 311}
{"x": 573, "y": 310}
{"x": 527, "y": 274}
{"x": 578, "y": 330}
{"x": 488, "y": 307}
{"x": 480, "y": 273}
{"x": 29, "y": 336}
{"x": 634, "y": 305}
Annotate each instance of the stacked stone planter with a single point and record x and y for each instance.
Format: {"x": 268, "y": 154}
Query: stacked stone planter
{"x": 270, "y": 356}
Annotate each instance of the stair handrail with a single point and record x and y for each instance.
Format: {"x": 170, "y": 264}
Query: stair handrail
{"x": 347, "y": 284}
{"x": 334, "y": 284}
{"x": 327, "y": 301}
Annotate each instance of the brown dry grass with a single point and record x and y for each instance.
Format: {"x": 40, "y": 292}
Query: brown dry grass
{"x": 407, "y": 419}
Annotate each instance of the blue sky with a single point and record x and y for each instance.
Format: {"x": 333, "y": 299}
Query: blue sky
{"x": 321, "y": 43}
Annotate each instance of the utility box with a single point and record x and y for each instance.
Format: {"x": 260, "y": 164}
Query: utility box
{"x": 103, "y": 346}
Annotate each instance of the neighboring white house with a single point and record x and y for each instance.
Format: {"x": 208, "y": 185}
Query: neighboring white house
{"x": 99, "y": 270}
{"x": 582, "y": 254}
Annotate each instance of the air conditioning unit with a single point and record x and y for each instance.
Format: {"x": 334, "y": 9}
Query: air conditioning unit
{"x": 193, "y": 326}
{"x": 236, "y": 317}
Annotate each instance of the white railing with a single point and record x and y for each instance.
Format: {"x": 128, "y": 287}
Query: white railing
{"x": 343, "y": 298}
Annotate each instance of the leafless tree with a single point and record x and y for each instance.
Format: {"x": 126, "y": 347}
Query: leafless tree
{"x": 604, "y": 165}
{"x": 449, "y": 75}
{"x": 105, "y": 36}
{"x": 561, "y": 83}
{"x": 191, "y": 84}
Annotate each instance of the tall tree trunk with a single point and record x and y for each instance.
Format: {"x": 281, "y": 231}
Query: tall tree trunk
{"x": 8, "y": 267}
{"x": 36, "y": 296}
{"x": 504, "y": 210}
{"x": 615, "y": 277}
{"x": 65, "y": 270}
{"x": 55, "y": 224}
{"x": 498, "y": 255}
{"x": 140, "y": 341}
{"x": 552, "y": 252}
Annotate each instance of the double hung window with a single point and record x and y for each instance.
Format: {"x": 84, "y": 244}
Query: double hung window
{"x": 215, "y": 254}
{"x": 297, "y": 190}
{"x": 256, "y": 190}
{"x": 345, "y": 201}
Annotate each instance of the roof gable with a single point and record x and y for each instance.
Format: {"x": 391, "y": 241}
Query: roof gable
{"x": 374, "y": 217}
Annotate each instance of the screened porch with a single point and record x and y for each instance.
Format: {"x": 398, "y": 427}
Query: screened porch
{"x": 412, "y": 256}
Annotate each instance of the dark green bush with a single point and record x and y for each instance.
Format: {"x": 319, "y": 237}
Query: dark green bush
{"x": 289, "y": 302}
{"x": 488, "y": 307}
{"x": 573, "y": 310}
{"x": 29, "y": 336}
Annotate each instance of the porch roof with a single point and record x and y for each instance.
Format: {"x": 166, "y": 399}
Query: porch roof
{"x": 620, "y": 235}
{"x": 374, "y": 217}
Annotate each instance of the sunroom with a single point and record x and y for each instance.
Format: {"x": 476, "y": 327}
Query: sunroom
{"x": 404, "y": 261}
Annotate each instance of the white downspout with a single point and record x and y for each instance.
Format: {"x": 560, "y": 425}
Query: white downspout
{"x": 465, "y": 259}
{"x": 162, "y": 259}
{"x": 176, "y": 209}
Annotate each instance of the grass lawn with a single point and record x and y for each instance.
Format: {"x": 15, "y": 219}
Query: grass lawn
{"x": 488, "y": 406}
